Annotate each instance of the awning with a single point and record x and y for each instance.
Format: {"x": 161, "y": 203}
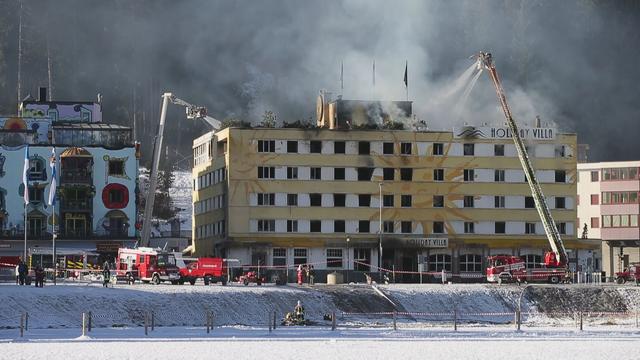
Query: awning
{"x": 75, "y": 152}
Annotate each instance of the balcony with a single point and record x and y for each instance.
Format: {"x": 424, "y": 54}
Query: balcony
{"x": 84, "y": 205}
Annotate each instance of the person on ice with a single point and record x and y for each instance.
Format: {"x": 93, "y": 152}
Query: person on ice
{"x": 299, "y": 311}
{"x": 39, "y": 276}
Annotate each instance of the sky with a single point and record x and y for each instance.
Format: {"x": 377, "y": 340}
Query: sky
{"x": 573, "y": 63}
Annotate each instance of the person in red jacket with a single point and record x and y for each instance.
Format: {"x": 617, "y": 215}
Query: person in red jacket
{"x": 300, "y": 274}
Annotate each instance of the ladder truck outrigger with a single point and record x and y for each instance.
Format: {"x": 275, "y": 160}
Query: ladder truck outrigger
{"x": 512, "y": 268}
{"x": 193, "y": 112}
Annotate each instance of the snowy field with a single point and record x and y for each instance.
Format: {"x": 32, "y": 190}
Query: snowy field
{"x": 313, "y": 343}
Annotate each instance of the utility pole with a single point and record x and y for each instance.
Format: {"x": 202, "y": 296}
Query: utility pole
{"x": 380, "y": 228}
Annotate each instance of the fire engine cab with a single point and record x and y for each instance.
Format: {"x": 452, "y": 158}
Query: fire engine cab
{"x": 147, "y": 264}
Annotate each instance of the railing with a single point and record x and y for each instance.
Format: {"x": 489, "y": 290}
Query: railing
{"x": 76, "y": 205}
{"x": 75, "y": 177}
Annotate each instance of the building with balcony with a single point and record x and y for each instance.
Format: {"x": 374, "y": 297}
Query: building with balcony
{"x": 343, "y": 198}
{"x": 97, "y": 169}
{"x": 608, "y": 210}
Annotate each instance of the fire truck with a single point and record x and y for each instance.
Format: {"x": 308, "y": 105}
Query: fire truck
{"x": 512, "y": 268}
{"x": 147, "y": 265}
{"x": 632, "y": 273}
{"x": 211, "y": 270}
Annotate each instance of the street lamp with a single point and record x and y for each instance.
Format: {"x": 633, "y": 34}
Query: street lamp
{"x": 348, "y": 259}
{"x": 380, "y": 228}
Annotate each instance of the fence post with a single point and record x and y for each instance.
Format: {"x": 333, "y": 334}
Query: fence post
{"x": 580, "y": 320}
{"x": 26, "y": 321}
{"x": 21, "y": 325}
{"x": 153, "y": 321}
{"x": 395, "y": 316}
{"x": 84, "y": 324}
{"x": 518, "y": 319}
{"x": 146, "y": 323}
{"x": 89, "y": 322}
{"x": 636, "y": 317}
{"x": 274, "y": 320}
{"x": 333, "y": 320}
{"x": 455, "y": 318}
{"x": 207, "y": 320}
{"x": 269, "y": 321}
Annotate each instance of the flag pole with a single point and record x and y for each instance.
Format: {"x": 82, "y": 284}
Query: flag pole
{"x": 52, "y": 202}
{"x": 24, "y": 258}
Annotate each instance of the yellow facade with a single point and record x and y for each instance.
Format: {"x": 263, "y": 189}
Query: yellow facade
{"x": 236, "y": 151}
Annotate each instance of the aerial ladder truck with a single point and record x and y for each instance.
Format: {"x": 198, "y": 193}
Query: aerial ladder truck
{"x": 513, "y": 268}
{"x": 193, "y": 112}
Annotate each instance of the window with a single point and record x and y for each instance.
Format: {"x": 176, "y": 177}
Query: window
{"x": 438, "y": 174}
{"x": 498, "y": 202}
{"x": 364, "y": 200}
{"x": 387, "y": 200}
{"x": 405, "y": 148}
{"x": 387, "y": 148}
{"x": 116, "y": 167}
{"x": 315, "y": 199}
{"x": 36, "y": 194}
{"x": 561, "y": 202}
{"x": 438, "y": 201}
{"x": 334, "y": 258}
{"x": 36, "y": 169}
{"x": 468, "y": 149}
{"x": 498, "y": 150}
{"x": 266, "y": 146}
{"x": 529, "y": 203}
{"x": 529, "y": 228}
{"x": 470, "y": 263}
{"x": 279, "y": 256}
{"x": 595, "y": 199}
{"x": 468, "y": 201}
{"x": 338, "y": 174}
{"x": 406, "y": 227}
{"x": 316, "y": 173}
{"x": 36, "y": 228}
{"x": 438, "y": 148}
{"x": 439, "y": 262}
{"x": 315, "y": 147}
{"x": 292, "y": 146}
{"x": 339, "y": 200}
{"x": 500, "y": 227}
{"x": 594, "y": 176}
{"x": 362, "y": 259}
{"x": 561, "y": 176}
{"x": 365, "y": 173}
{"x": 469, "y": 227}
{"x": 339, "y": 147}
{"x": 363, "y": 226}
{"x": 115, "y": 196}
{"x": 338, "y": 226}
{"x": 292, "y": 225}
{"x": 606, "y": 221}
{"x": 405, "y": 200}
{"x": 364, "y": 147}
{"x": 388, "y": 173}
{"x": 388, "y": 227}
{"x": 266, "y": 225}
{"x": 562, "y": 228}
{"x": 266, "y": 172}
{"x": 292, "y": 172}
{"x": 438, "y": 227}
{"x": 498, "y": 176}
{"x": 468, "y": 174}
{"x": 595, "y": 222}
{"x": 292, "y": 199}
{"x": 315, "y": 226}
{"x": 406, "y": 174}
{"x": 532, "y": 261}
{"x": 624, "y": 197}
{"x": 299, "y": 256}
{"x": 266, "y": 199}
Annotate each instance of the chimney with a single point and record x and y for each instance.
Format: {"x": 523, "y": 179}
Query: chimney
{"x": 42, "y": 94}
{"x": 538, "y": 121}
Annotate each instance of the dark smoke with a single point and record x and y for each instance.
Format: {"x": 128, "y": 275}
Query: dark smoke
{"x": 575, "y": 63}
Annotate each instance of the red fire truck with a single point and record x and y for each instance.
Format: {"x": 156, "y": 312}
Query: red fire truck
{"x": 503, "y": 268}
{"x": 146, "y": 264}
{"x": 632, "y": 273}
{"x": 211, "y": 270}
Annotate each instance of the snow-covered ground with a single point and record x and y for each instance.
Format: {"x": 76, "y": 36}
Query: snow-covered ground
{"x": 321, "y": 343}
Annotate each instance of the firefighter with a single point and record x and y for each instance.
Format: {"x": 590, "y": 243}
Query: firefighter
{"x": 22, "y": 272}
{"x": 299, "y": 312}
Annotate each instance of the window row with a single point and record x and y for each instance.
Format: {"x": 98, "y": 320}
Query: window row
{"x": 402, "y": 174}
{"x": 619, "y": 221}
{"x": 402, "y": 227}
{"x": 405, "y": 148}
{"x": 208, "y": 230}
{"x": 405, "y": 201}
{"x": 620, "y": 197}
{"x": 212, "y": 203}
{"x": 616, "y": 174}
{"x": 210, "y": 178}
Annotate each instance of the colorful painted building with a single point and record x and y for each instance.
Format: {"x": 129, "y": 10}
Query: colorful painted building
{"x": 609, "y": 210}
{"x": 97, "y": 175}
{"x": 349, "y": 199}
